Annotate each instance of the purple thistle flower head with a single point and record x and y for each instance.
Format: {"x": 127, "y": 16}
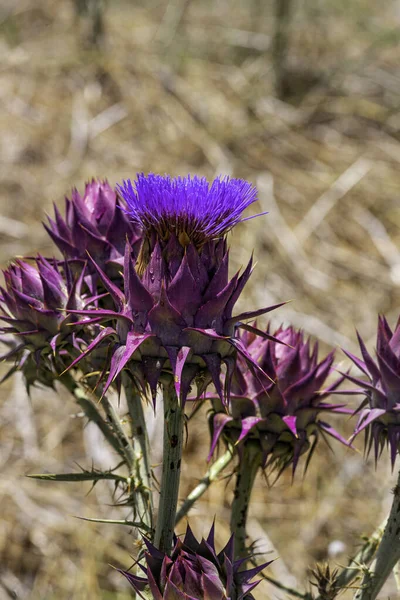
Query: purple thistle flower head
{"x": 191, "y": 208}
{"x": 175, "y": 313}
{"x": 379, "y": 413}
{"x": 195, "y": 572}
{"x": 94, "y": 223}
{"x": 282, "y": 412}
{"x": 33, "y": 306}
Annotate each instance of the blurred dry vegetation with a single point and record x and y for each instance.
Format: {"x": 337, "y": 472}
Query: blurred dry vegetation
{"x": 302, "y": 97}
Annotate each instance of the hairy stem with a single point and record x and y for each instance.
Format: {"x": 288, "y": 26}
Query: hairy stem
{"x": 387, "y": 556}
{"x": 141, "y": 451}
{"x": 211, "y": 475}
{"x": 247, "y": 471}
{"x": 171, "y": 468}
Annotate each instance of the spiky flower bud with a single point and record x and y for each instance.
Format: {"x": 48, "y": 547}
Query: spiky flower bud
{"x": 282, "y": 412}
{"x": 379, "y": 413}
{"x": 33, "y": 304}
{"x": 94, "y": 223}
{"x": 195, "y": 571}
{"x": 176, "y": 309}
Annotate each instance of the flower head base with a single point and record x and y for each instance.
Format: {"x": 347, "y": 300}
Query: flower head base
{"x": 33, "y": 305}
{"x": 195, "y": 572}
{"x": 94, "y": 223}
{"x": 379, "y": 413}
{"x": 189, "y": 207}
{"x": 282, "y": 413}
{"x": 178, "y": 323}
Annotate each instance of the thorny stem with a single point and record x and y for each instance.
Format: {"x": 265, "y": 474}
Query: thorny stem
{"x": 123, "y": 439}
{"x": 387, "y": 556}
{"x": 348, "y": 574}
{"x": 118, "y": 439}
{"x": 141, "y": 451}
{"x": 171, "y": 468}
{"x": 247, "y": 471}
{"x": 363, "y": 558}
{"x": 211, "y": 475}
{"x": 92, "y": 413}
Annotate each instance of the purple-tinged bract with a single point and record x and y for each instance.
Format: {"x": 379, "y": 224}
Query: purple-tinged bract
{"x": 379, "y": 413}
{"x": 94, "y": 223}
{"x": 33, "y": 304}
{"x": 175, "y": 313}
{"x": 195, "y": 571}
{"x": 282, "y": 413}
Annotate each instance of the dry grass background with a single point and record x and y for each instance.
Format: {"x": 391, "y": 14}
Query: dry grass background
{"x": 181, "y": 86}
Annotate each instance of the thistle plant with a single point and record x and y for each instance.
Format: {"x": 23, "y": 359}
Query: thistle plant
{"x": 142, "y": 301}
{"x": 172, "y": 324}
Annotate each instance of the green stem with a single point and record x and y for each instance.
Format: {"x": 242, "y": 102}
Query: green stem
{"x": 387, "y": 556}
{"x": 211, "y": 476}
{"x": 174, "y": 419}
{"x": 246, "y": 475}
{"x": 120, "y": 434}
{"x": 141, "y": 451}
{"x": 92, "y": 413}
{"x": 363, "y": 558}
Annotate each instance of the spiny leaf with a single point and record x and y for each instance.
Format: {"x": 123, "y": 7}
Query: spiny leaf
{"x": 86, "y": 476}
{"x": 138, "y": 525}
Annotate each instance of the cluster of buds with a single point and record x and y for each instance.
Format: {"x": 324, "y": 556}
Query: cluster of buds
{"x": 281, "y": 410}
{"x": 195, "y": 571}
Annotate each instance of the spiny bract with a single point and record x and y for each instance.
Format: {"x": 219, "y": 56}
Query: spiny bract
{"x": 195, "y": 571}
{"x": 281, "y": 411}
{"x": 379, "y": 413}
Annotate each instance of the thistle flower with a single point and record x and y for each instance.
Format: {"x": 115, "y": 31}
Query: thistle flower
{"x": 94, "y": 223}
{"x": 33, "y": 305}
{"x": 189, "y": 207}
{"x": 176, "y": 308}
{"x": 195, "y": 572}
{"x": 282, "y": 413}
{"x": 379, "y": 413}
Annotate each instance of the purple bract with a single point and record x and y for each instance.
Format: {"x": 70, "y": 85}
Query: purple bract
{"x": 195, "y": 572}
{"x": 94, "y": 223}
{"x": 281, "y": 413}
{"x": 379, "y": 413}
{"x": 33, "y": 305}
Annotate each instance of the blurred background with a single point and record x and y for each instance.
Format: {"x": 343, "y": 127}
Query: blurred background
{"x": 302, "y": 97}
